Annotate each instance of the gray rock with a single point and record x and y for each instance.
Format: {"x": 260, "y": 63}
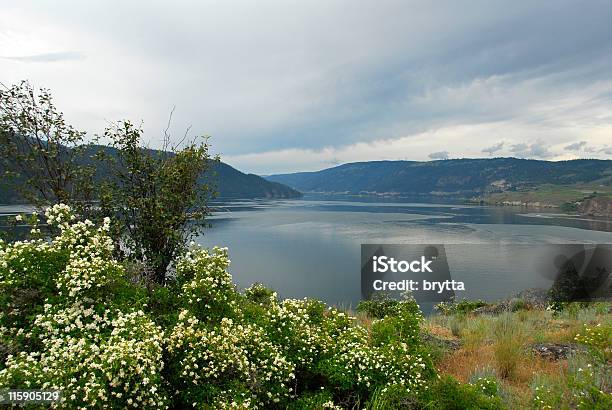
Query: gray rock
{"x": 556, "y": 351}
{"x": 439, "y": 342}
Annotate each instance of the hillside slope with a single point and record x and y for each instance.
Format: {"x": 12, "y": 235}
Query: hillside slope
{"x": 229, "y": 182}
{"x": 456, "y": 176}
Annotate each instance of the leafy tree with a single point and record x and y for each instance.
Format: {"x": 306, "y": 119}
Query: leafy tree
{"x": 39, "y": 151}
{"x": 158, "y": 198}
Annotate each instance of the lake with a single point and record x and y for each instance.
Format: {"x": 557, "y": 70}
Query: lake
{"x": 310, "y": 247}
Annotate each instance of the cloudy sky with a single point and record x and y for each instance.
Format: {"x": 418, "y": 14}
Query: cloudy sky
{"x": 303, "y": 85}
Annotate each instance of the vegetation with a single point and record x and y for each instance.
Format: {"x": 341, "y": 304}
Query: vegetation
{"x": 154, "y": 199}
{"x": 120, "y": 311}
{"x": 39, "y": 152}
{"x": 44, "y": 160}
{"x": 465, "y": 177}
{"x": 500, "y": 351}
{"x": 70, "y": 319}
{"x": 157, "y": 199}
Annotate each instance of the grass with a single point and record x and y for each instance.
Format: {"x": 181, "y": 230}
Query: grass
{"x": 500, "y": 347}
{"x": 552, "y": 194}
{"x": 509, "y": 344}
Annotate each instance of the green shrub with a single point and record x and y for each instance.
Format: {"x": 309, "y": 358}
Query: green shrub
{"x": 449, "y": 394}
{"x": 548, "y": 393}
{"x": 598, "y": 339}
{"x": 379, "y": 306}
{"x": 259, "y": 294}
{"x": 464, "y": 306}
{"x": 590, "y": 382}
{"x": 107, "y": 339}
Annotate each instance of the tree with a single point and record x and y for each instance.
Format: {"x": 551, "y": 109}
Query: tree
{"x": 158, "y": 198}
{"x": 39, "y": 151}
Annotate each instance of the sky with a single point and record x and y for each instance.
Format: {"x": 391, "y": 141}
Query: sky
{"x": 284, "y": 86}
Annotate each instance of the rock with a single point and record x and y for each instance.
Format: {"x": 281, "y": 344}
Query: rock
{"x": 556, "y": 351}
{"x": 534, "y": 298}
{"x": 449, "y": 344}
{"x": 537, "y": 298}
{"x": 495, "y": 309}
{"x": 598, "y": 206}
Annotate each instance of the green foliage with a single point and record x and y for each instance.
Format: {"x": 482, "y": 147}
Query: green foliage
{"x": 382, "y": 305}
{"x": 448, "y": 394}
{"x": 107, "y": 341}
{"x": 587, "y": 386}
{"x": 464, "y": 306}
{"x": 39, "y": 152}
{"x": 154, "y": 198}
{"x": 598, "y": 339}
{"x": 379, "y": 306}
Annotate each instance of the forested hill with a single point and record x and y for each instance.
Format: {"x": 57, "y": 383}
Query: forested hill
{"x": 232, "y": 183}
{"x": 229, "y": 182}
{"x": 457, "y": 176}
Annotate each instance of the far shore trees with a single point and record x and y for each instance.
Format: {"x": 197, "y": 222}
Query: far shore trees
{"x": 158, "y": 199}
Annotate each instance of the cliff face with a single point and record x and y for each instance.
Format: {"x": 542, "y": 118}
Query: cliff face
{"x": 598, "y": 206}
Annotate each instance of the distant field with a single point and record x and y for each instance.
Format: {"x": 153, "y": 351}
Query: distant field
{"x": 556, "y": 195}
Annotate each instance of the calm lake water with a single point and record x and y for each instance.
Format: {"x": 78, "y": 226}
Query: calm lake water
{"x": 310, "y": 247}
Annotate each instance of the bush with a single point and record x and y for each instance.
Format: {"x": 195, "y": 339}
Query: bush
{"x": 448, "y": 394}
{"x": 379, "y": 306}
{"x": 73, "y": 320}
{"x": 597, "y": 338}
{"x": 464, "y": 306}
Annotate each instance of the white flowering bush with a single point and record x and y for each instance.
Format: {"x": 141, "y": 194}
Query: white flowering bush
{"x": 355, "y": 364}
{"x": 97, "y": 359}
{"x": 205, "y": 284}
{"x": 213, "y": 364}
{"x": 71, "y": 320}
{"x": 305, "y": 329}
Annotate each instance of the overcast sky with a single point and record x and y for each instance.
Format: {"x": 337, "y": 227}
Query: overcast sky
{"x": 287, "y": 86}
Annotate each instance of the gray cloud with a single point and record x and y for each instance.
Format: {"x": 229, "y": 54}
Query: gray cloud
{"x": 576, "y": 146}
{"x": 516, "y": 148}
{"x": 493, "y": 148}
{"x": 439, "y": 155}
{"x": 47, "y": 57}
{"x": 269, "y": 76}
{"x": 606, "y": 150}
{"x": 538, "y": 149}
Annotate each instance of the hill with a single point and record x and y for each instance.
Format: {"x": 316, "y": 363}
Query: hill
{"x": 465, "y": 177}
{"x": 229, "y": 182}
{"x": 232, "y": 183}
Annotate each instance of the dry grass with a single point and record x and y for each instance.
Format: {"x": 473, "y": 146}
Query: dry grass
{"x": 438, "y": 330}
{"x": 502, "y": 343}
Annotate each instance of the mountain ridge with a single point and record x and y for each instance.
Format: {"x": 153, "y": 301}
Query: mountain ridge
{"x": 229, "y": 182}
{"x": 463, "y": 176}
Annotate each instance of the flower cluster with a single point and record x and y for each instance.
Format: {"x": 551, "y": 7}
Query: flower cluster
{"x": 597, "y": 338}
{"x": 305, "y": 328}
{"x": 355, "y": 363}
{"x": 97, "y": 359}
{"x": 488, "y": 385}
{"x": 207, "y": 287}
{"x": 74, "y": 323}
{"x": 209, "y": 363}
